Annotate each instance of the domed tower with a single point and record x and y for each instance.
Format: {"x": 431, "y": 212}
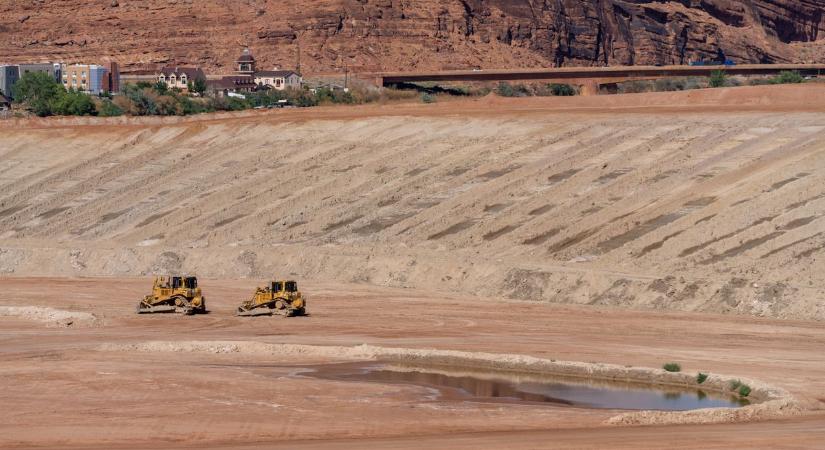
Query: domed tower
{"x": 246, "y": 63}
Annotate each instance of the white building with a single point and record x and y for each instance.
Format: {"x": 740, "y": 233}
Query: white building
{"x": 278, "y": 79}
{"x": 180, "y": 77}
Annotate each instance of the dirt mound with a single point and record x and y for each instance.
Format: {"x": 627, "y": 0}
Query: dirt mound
{"x": 716, "y": 211}
{"x": 51, "y": 317}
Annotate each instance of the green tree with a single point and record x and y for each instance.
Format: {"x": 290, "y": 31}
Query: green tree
{"x": 718, "y": 78}
{"x": 199, "y": 86}
{"x": 161, "y": 87}
{"x": 73, "y": 103}
{"x": 38, "y": 91}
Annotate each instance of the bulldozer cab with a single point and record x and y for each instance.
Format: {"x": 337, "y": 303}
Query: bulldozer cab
{"x": 284, "y": 286}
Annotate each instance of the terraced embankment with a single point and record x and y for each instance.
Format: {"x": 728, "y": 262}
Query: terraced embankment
{"x": 705, "y": 210}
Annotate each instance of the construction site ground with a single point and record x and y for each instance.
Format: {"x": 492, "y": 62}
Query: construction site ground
{"x": 633, "y": 230}
{"x": 63, "y": 388}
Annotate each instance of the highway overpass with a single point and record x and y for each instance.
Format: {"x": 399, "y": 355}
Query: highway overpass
{"x": 588, "y": 75}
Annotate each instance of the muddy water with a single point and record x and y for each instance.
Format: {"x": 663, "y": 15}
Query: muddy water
{"x": 480, "y": 386}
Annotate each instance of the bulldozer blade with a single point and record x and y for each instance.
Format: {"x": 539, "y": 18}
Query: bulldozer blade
{"x": 156, "y": 309}
{"x": 255, "y": 312}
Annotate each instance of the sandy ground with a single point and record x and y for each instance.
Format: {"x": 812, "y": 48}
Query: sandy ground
{"x": 80, "y": 387}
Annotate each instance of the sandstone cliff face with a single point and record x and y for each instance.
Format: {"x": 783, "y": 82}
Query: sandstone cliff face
{"x": 369, "y": 35}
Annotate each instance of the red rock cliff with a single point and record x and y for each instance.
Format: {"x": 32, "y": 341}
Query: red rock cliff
{"x": 405, "y": 34}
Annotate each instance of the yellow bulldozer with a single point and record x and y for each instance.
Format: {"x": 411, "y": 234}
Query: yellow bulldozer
{"x": 174, "y": 294}
{"x": 277, "y": 298}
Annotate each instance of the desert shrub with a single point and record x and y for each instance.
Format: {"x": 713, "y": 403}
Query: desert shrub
{"x": 327, "y": 95}
{"x": 701, "y": 378}
{"x": 427, "y": 98}
{"x": 744, "y": 390}
{"x": 168, "y": 105}
{"x": 734, "y": 384}
{"x": 141, "y": 101}
{"x": 695, "y": 83}
{"x": 787, "y": 77}
{"x": 672, "y": 367}
{"x": 160, "y": 87}
{"x": 669, "y": 84}
{"x": 634, "y": 87}
{"x": 397, "y": 94}
{"x": 107, "y": 108}
{"x": 230, "y": 104}
{"x": 562, "y": 90}
{"x": 189, "y": 106}
{"x": 507, "y": 90}
{"x": 718, "y": 78}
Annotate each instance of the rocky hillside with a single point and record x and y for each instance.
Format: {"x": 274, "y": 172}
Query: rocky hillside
{"x": 365, "y": 35}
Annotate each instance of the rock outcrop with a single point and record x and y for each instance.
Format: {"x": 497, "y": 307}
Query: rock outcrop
{"x": 366, "y": 35}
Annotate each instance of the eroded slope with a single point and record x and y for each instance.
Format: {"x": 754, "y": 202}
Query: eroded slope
{"x": 713, "y": 212}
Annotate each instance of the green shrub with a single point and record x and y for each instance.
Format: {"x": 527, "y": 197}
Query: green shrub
{"x": 701, "y": 378}
{"x": 787, "y": 77}
{"x": 744, "y": 390}
{"x": 74, "y": 103}
{"x": 140, "y": 99}
{"x": 427, "y": 98}
{"x": 109, "y": 109}
{"x": 669, "y": 84}
{"x": 160, "y": 87}
{"x": 672, "y": 367}
{"x": 718, "y": 78}
{"x": 562, "y": 90}
{"x": 634, "y": 87}
{"x": 505, "y": 90}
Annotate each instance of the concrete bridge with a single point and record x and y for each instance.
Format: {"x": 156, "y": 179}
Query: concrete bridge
{"x": 590, "y": 78}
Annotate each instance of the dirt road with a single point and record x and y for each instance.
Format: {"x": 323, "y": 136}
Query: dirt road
{"x": 61, "y": 388}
